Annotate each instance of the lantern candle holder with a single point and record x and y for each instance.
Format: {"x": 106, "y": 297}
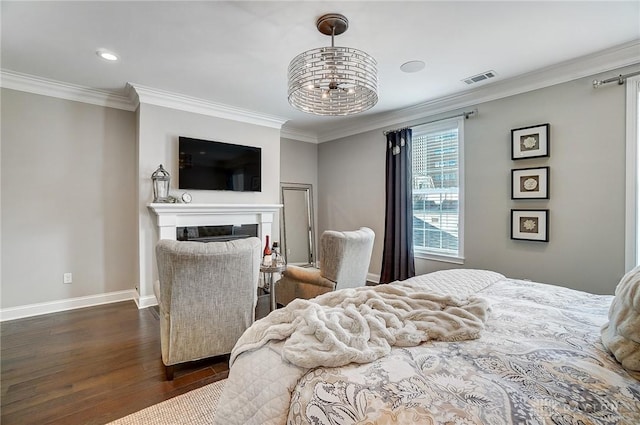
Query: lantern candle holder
{"x": 161, "y": 179}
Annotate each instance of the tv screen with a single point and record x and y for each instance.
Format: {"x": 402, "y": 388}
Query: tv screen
{"x": 209, "y": 165}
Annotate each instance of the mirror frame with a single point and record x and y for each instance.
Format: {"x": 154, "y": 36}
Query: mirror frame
{"x": 308, "y": 189}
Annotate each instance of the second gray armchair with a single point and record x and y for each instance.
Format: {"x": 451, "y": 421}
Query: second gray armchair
{"x": 344, "y": 263}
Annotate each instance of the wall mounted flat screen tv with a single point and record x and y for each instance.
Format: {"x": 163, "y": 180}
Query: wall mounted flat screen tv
{"x": 209, "y": 165}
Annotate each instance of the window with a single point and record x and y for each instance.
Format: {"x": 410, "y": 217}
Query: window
{"x": 437, "y": 190}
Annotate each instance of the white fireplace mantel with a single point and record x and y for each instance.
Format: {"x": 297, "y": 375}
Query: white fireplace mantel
{"x": 171, "y": 216}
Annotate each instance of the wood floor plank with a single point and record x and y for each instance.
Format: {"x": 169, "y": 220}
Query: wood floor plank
{"x": 90, "y": 366}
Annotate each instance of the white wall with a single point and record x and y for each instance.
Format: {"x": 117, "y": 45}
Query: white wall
{"x": 586, "y": 247}
{"x": 68, "y": 199}
{"x": 158, "y": 132}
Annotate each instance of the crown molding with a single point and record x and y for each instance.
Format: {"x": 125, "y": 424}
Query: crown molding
{"x": 141, "y": 94}
{"x": 297, "y": 134}
{"x": 46, "y": 87}
{"x": 617, "y": 57}
{"x": 620, "y": 56}
{"x": 135, "y": 94}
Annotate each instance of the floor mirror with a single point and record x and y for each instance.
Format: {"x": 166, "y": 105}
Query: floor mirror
{"x": 298, "y": 235}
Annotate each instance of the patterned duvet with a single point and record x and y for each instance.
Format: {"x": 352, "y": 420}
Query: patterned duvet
{"x": 539, "y": 361}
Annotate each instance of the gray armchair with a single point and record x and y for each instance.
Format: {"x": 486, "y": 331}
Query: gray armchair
{"x": 344, "y": 263}
{"x": 207, "y": 294}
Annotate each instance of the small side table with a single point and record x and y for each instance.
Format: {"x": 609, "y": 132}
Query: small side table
{"x": 268, "y": 281}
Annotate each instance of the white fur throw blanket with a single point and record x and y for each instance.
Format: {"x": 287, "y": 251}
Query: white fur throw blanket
{"x": 621, "y": 335}
{"x": 361, "y": 325}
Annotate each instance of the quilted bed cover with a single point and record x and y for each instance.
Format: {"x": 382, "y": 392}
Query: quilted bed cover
{"x": 539, "y": 360}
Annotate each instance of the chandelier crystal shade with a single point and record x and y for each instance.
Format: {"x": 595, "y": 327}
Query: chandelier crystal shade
{"x": 333, "y": 80}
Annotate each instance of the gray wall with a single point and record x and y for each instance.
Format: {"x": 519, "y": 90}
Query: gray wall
{"x": 299, "y": 164}
{"x": 68, "y": 199}
{"x": 74, "y": 193}
{"x": 351, "y": 188}
{"x": 586, "y": 247}
{"x": 587, "y": 194}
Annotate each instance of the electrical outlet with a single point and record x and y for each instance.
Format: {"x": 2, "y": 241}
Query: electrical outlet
{"x": 67, "y": 278}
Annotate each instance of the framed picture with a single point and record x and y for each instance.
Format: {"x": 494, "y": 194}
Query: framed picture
{"x": 530, "y": 225}
{"x": 530, "y": 142}
{"x": 530, "y": 183}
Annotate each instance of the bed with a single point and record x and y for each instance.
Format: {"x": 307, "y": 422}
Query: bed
{"x": 519, "y": 352}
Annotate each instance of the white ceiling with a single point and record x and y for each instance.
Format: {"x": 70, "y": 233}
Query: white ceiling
{"x": 236, "y": 53}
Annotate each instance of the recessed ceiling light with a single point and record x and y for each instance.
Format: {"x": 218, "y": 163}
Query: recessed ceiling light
{"x": 412, "y": 66}
{"x": 107, "y": 55}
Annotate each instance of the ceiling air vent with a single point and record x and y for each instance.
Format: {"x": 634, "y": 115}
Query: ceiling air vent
{"x": 480, "y": 77}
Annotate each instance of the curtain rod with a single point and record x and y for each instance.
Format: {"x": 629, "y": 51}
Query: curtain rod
{"x": 466, "y": 116}
{"x": 620, "y": 79}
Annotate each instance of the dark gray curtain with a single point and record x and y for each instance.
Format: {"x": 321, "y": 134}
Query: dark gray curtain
{"x": 397, "y": 256}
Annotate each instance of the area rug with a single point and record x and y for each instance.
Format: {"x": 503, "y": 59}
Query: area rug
{"x": 193, "y": 408}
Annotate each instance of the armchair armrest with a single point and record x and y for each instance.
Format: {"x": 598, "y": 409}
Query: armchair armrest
{"x": 300, "y": 282}
{"x": 307, "y": 275}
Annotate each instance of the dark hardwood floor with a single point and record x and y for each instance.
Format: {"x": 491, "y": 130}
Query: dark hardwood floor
{"x": 91, "y": 366}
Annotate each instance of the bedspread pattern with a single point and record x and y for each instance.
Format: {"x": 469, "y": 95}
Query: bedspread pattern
{"x": 355, "y": 325}
{"x": 539, "y": 361}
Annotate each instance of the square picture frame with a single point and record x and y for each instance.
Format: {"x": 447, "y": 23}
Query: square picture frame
{"x": 530, "y": 183}
{"x": 530, "y": 225}
{"x": 530, "y": 142}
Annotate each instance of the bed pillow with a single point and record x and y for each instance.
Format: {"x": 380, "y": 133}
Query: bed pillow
{"x": 621, "y": 335}
{"x": 458, "y": 282}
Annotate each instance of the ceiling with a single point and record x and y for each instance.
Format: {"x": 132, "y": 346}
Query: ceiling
{"x": 236, "y": 53}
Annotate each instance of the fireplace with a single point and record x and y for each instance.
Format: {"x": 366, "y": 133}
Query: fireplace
{"x": 221, "y": 233}
{"x": 238, "y": 220}
{"x": 170, "y": 217}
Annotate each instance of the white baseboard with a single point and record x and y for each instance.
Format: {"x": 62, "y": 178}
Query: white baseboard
{"x": 29, "y": 310}
{"x": 375, "y": 278}
{"x": 146, "y": 301}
